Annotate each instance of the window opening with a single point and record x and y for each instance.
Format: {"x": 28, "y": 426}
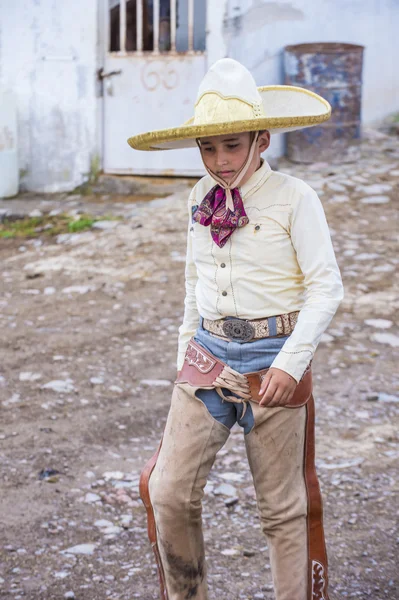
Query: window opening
{"x": 157, "y": 26}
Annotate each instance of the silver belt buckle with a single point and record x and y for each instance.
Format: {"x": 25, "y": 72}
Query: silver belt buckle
{"x": 237, "y": 329}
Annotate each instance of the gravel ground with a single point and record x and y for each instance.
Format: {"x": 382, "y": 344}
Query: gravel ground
{"x": 89, "y": 319}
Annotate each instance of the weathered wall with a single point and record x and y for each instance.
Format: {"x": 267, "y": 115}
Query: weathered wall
{"x": 48, "y": 57}
{"x": 256, "y": 31}
{"x": 50, "y": 50}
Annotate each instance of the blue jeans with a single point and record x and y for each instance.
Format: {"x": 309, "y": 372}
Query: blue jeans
{"x": 244, "y": 357}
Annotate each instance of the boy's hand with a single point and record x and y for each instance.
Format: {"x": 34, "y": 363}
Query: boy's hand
{"x": 277, "y": 388}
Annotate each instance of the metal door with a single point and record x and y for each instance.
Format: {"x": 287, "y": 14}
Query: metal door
{"x": 154, "y": 62}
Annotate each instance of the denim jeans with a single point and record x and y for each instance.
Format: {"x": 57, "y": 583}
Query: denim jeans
{"x": 244, "y": 357}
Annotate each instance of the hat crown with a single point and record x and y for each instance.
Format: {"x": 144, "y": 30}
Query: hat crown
{"x": 227, "y": 93}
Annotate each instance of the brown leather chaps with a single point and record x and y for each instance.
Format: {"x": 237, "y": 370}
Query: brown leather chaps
{"x": 281, "y": 455}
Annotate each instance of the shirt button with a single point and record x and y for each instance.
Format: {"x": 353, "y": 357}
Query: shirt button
{"x": 223, "y": 265}
{"x": 224, "y": 293}
{"x": 257, "y": 227}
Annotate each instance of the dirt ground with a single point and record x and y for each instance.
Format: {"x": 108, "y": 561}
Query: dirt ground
{"x": 89, "y": 319}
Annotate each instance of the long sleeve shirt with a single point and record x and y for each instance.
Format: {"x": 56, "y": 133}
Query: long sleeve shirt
{"x": 281, "y": 261}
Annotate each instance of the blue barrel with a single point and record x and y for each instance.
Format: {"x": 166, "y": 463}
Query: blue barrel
{"x": 334, "y": 71}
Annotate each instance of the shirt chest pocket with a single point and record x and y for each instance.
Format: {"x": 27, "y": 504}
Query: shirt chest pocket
{"x": 265, "y": 239}
{"x": 267, "y": 228}
{"x": 201, "y": 242}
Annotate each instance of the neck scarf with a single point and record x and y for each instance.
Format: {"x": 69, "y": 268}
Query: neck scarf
{"x": 223, "y": 208}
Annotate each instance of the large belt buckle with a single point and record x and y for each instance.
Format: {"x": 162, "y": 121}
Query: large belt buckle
{"x": 237, "y": 329}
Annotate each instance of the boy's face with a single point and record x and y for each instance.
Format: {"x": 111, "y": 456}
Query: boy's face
{"x": 226, "y": 154}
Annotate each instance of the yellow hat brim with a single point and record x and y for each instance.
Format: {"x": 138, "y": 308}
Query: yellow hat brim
{"x": 185, "y": 136}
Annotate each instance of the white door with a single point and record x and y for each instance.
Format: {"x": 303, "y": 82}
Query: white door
{"x": 154, "y": 61}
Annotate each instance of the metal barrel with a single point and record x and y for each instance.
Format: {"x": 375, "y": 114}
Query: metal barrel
{"x": 333, "y": 70}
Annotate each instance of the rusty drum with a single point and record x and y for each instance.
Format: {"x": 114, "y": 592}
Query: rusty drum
{"x": 334, "y": 71}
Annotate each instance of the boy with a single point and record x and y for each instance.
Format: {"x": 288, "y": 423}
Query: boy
{"x": 262, "y": 285}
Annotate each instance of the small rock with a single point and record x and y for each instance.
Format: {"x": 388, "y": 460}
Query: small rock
{"x": 60, "y": 386}
{"x": 232, "y": 476}
{"x": 249, "y": 554}
{"x": 91, "y": 497}
{"x": 35, "y": 213}
{"x": 362, "y": 414}
{"x": 69, "y": 595}
{"x": 14, "y": 398}
{"x": 230, "y": 552}
{"x": 384, "y": 268}
{"x": 105, "y": 225}
{"x": 375, "y": 200}
{"x": 338, "y": 198}
{"x": 387, "y": 398}
{"x": 225, "y": 489}
{"x": 103, "y": 523}
{"x": 96, "y": 380}
{"x": 77, "y": 289}
{"x": 28, "y": 376}
{"x": 376, "y": 188}
{"x": 115, "y": 388}
{"x": 208, "y": 489}
{"x": 126, "y": 520}
{"x": 48, "y": 291}
{"x": 379, "y": 323}
{"x": 336, "y": 187}
{"x": 367, "y": 256}
{"x": 4, "y": 213}
{"x": 386, "y": 338}
{"x": 118, "y": 475}
{"x": 112, "y": 530}
{"x": 80, "y": 549}
{"x": 61, "y": 574}
{"x": 63, "y": 238}
{"x": 118, "y": 485}
{"x": 31, "y": 292}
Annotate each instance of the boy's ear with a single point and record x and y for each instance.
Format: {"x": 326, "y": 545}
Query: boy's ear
{"x": 264, "y": 140}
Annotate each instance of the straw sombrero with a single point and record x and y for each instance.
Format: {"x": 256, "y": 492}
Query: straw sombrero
{"x": 229, "y": 102}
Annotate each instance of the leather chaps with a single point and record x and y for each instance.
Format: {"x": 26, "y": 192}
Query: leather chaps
{"x": 203, "y": 370}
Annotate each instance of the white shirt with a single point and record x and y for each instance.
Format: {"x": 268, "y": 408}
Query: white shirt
{"x": 281, "y": 261}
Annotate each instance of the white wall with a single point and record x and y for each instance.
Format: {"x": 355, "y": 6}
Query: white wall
{"x": 48, "y": 57}
{"x": 256, "y": 31}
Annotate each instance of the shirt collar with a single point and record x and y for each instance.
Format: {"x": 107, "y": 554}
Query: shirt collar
{"x": 257, "y": 179}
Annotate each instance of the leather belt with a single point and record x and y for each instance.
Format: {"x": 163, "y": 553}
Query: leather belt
{"x": 247, "y": 331}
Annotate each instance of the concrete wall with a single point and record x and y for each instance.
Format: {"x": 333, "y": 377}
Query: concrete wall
{"x": 48, "y": 54}
{"x": 256, "y": 31}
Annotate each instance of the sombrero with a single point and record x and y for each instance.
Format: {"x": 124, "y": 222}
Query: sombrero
{"x": 230, "y": 102}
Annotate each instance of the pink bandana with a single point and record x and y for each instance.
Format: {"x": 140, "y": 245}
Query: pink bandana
{"x": 223, "y": 208}
{"x": 213, "y": 211}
